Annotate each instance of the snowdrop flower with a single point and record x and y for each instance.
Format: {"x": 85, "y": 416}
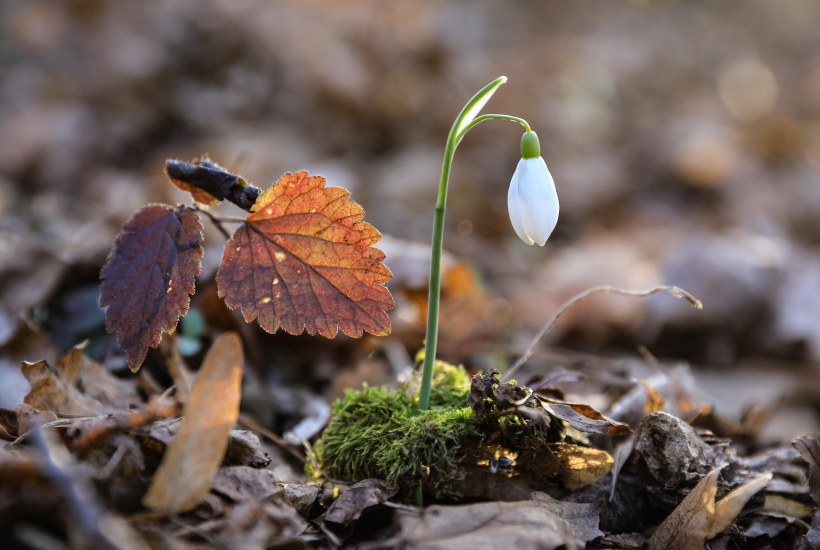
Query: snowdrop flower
{"x": 532, "y": 200}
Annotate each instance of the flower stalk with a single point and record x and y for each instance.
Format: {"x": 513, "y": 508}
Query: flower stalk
{"x": 465, "y": 121}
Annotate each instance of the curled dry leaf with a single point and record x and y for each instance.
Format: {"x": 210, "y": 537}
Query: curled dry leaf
{"x": 29, "y": 418}
{"x": 487, "y": 391}
{"x": 78, "y": 386}
{"x": 244, "y": 448}
{"x": 302, "y": 497}
{"x": 149, "y": 276}
{"x": 303, "y": 260}
{"x": 621, "y": 455}
{"x": 584, "y": 418}
{"x": 351, "y": 504}
{"x": 698, "y": 518}
{"x": 809, "y": 449}
{"x": 245, "y": 484}
{"x": 190, "y": 463}
{"x": 209, "y": 183}
{"x": 113, "y": 393}
{"x": 541, "y": 523}
{"x": 549, "y": 470}
{"x": 49, "y": 392}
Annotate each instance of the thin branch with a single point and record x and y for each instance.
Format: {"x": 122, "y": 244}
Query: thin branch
{"x": 252, "y": 424}
{"x": 675, "y": 291}
{"x": 313, "y": 460}
{"x": 214, "y": 220}
{"x": 651, "y": 360}
{"x": 199, "y": 532}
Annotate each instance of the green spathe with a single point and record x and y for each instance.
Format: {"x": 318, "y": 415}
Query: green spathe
{"x": 530, "y": 146}
{"x": 377, "y": 433}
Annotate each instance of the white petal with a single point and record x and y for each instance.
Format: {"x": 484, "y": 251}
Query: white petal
{"x": 512, "y": 205}
{"x": 537, "y": 200}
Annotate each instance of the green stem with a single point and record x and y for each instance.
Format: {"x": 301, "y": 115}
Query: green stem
{"x": 482, "y": 118}
{"x": 464, "y": 122}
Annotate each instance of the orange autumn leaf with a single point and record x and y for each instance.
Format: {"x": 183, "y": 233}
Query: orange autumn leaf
{"x": 149, "y": 276}
{"x": 303, "y": 260}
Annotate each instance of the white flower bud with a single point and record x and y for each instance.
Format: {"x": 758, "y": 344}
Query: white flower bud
{"x": 532, "y": 200}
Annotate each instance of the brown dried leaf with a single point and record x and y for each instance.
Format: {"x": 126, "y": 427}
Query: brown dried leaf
{"x": 209, "y": 183}
{"x": 654, "y": 400}
{"x": 572, "y": 465}
{"x": 244, "y": 448}
{"x": 302, "y": 497}
{"x": 584, "y": 418}
{"x": 95, "y": 382}
{"x": 631, "y": 541}
{"x": 149, "y": 276}
{"x": 352, "y": 503}
{"x": 29, "y": 418}
{"x": 809, "y": 449}
{"x": 698, "y": 518}
{"x": 50, "y": 393}
{"x": 245, "y": 484}
{"x": 541, "y": 523}
{"x": 190, "y": 463}
{"x": 303, "y": 260}
{"x": 622, "y": 452}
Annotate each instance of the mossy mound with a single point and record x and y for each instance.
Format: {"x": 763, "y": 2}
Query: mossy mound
{"x": 377, "y": 433}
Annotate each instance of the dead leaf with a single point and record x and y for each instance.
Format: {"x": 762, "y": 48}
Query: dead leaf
{"x": 654, "y": 400}
{"x": 254, "y": 525}
{"x": 584, "y": 418}
{"x": 809, "y": 449}
{"x": 631, "y": 541}
{"x": 541, "y": 523}
{"x": 29, "y": 418}
{"x": 50, "y": 393}
{"x": 301, "y": 497}
{"x": 94, "y": 382}
{"x": 149, "y": 276}
{"x": 549, "y": 470}
{"x": 21, "y": 342}
{"x": 97, "y": 431}
{"x": 573, "y": 466}
{"x": 189, "y": 465}
{"x": 303, "y": 260}
{"x": 486, "y": 390}
{"x": 244, "y": 448}
{"x": 698, "y": 518}
{"x": 621, "y": 455}
{"x": 351, "y": 504}
{"x": 244, "y": 484}
{"x": 212, "y": 182}
{"x": 776, "y": 504}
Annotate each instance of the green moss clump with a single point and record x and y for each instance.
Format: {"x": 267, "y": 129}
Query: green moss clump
{"x": 377, "y": 433}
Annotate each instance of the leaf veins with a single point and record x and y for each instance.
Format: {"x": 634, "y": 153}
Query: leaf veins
{"x": 303, "y": 261}
{"x": 149, "y": 276}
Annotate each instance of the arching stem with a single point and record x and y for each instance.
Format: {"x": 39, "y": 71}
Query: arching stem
{"x": 464, "y": 122}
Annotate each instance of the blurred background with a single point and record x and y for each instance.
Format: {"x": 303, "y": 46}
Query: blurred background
{"x": 683, "y": 136}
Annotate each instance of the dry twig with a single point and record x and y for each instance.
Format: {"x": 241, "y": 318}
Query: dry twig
{"x": 675, "y": 291}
